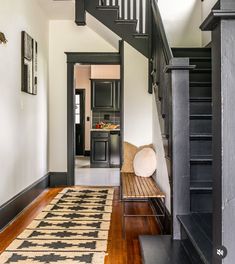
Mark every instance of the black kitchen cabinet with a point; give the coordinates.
(105, 95)
(105, 149)
(100, 149)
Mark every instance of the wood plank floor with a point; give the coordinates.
(120, 251)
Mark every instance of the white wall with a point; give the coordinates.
(23, 136)
(206, 9)
(65, 36)
(162, 177)
(137, 101)
(182, 19)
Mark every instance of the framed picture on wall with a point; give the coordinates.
(29, 59)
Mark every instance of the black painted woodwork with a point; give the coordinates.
(162, 250)
(200, 128)
(115, 142)
(197, 230)
(58, 179)
(80, 128)
(105, 149)
(111, 15)
(105, 95)
(221, 21)
(13, 207)
(100, 149)
(80, 13)
(104, 58)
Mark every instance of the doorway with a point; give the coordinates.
(86, 59)
(79, 122)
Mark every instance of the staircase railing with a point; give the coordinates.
(170, 78)
(131, 10)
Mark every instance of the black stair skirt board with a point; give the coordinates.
(197, 228)
(109, 16)
(162, 250)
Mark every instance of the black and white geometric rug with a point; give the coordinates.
(73, 228)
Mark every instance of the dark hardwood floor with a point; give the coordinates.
(120, 251)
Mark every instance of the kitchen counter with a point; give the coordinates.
(105, 129)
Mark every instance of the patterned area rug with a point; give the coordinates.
(73, 228)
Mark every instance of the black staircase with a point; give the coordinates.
(128, 19)
(182, 82)
(192, 240)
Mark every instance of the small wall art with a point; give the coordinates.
(29, 64)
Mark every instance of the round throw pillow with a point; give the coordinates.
(145, 162)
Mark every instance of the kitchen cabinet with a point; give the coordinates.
(105, 148)
(105, 95)
(100, 149)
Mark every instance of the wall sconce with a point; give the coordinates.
(2, 38)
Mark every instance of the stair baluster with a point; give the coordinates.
(123, 9)
(141, 16)
(129, 9)
(134, 9)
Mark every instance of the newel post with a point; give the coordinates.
(179, 134)
(221, 21)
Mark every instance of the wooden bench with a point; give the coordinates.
(134, 188)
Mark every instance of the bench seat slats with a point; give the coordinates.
(135, 187)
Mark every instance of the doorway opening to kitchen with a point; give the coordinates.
(97, 161)
(97, 124)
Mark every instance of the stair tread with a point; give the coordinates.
(201, 116)
(201, 136)
(107, 7)
(162, 250)
(201, 84)
(200, 99)
(128, 21)
(201, 70)
(200, 58)
(199, 232)
(201, 158)
(201, 185)
(140, 35)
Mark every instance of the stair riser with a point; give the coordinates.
(200, 148)
(191, 52)
(202, 77)
(200, 108)
(201, 64)
(200, 126)
(201, 201)
(201, 172)
(200, 92)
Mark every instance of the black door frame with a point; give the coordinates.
(105, 58)
(82, 117)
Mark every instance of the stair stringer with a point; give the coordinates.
(126, 30)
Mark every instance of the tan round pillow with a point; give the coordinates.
(145, 162)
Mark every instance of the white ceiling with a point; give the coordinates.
(62, 9)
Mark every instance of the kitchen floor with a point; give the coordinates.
(97, 176)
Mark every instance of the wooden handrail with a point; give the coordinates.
(157, 20)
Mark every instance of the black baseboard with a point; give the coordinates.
(87, 153)
(165, 224)
(10, 209)
(58, 179)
